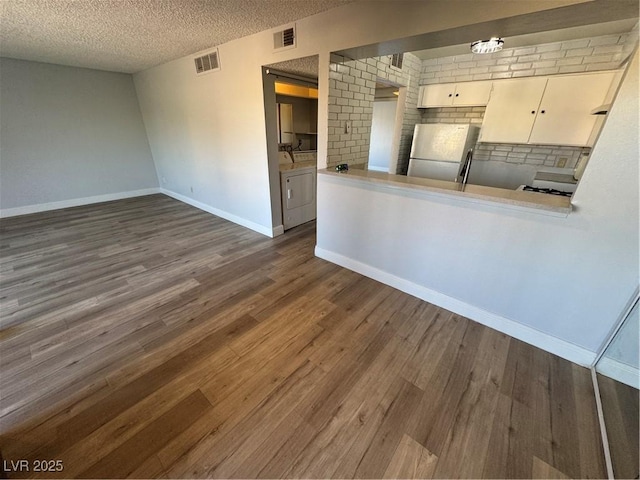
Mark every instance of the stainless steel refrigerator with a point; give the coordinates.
(439, 150)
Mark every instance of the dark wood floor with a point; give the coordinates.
(145, 338)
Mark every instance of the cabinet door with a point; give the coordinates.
(438, 95)
(472, 93)
(565, 111)
(512, 110)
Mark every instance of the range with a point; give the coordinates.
(549, 191)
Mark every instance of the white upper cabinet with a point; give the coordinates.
(545, 110)
(564, 116)
(511, 111)
(454, 94)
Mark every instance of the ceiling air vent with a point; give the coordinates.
(284, 39)
(396, 60)
(207, 63)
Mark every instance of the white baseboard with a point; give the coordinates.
(549, 343)
(279, 230)
(269, 232)
(75, 202)
(619, 371)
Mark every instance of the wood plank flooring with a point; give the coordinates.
(144, 338)
(620, 405)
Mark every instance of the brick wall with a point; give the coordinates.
(411, 69)
(349, 100)
(471, 115)
(584, 55)
(352, 85)
(540, 155)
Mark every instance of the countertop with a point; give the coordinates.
(286, 167)
(542, 202)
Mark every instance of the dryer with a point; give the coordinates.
(298, 191)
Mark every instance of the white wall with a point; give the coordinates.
(382, 132)
(555, 282)
(621, 361)
(207, 133)
(563, 278)
(69, 136)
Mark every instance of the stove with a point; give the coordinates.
(548, 191)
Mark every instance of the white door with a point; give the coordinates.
(512, 110)
(565, 111)
(382, 130)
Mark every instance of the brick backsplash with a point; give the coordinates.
(541, 155)
(584, 55)
(471, 115)
(352, 85)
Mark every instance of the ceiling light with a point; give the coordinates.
(487, 46)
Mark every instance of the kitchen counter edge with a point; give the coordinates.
(531, 201)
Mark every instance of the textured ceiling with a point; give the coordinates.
(133, 35)
(305, 66)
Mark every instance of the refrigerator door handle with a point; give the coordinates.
(466, 168)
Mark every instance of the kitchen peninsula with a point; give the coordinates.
(497, 256)
(402, 184)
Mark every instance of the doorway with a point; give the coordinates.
(386, 127)
(291, 117)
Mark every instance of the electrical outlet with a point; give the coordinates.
(562, 162)
(164, 180)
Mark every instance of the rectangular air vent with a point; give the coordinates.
(284, 39)
(207, 63)
(396, 60)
